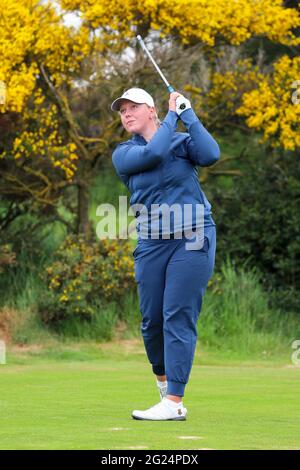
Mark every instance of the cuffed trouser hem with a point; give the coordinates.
(159, 370)
(176, 388)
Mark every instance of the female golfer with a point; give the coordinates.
(175, 254)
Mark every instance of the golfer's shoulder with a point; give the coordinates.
(126, 142)
(121, 147)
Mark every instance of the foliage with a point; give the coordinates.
(57, 129)
(232, 77)
(270, 107)
(85, 276)
(204, 21)
(7, 257)
(36, 154)
(258, 221)
(32, 33)
(237, 312)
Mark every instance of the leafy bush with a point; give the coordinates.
(237, 315)
(85, 276)
(258, 220)
(7, 257)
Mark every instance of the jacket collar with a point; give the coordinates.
(137, 138)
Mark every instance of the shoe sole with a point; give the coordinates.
(183, 418)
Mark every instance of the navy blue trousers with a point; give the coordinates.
(171, 284)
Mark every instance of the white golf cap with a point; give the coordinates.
(137, 95)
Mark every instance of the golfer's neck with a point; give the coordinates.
(149, 132)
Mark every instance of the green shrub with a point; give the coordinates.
(236, 313)
(7, 257)
(100, 327)
(258, 221)
(85, 277)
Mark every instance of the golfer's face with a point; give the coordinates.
(135, 117)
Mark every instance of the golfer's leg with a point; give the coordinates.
(150, 265)
(187, 275)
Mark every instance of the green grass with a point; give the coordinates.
(81, 397)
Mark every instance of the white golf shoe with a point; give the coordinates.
(163, 411)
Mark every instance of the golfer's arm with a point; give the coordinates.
(202, 148)
(129, 159)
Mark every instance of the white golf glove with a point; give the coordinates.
(182, 104)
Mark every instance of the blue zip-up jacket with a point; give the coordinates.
(164, 170)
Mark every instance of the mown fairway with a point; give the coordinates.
(66, 403)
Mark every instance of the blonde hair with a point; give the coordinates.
(157, 121)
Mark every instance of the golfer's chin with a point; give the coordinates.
(132, 127)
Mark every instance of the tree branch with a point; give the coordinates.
(66, 114)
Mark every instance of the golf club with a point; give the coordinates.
(170, 88)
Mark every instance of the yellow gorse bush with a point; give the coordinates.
(270, 107)
(204, 20)
(31, 34)
(207, 21)
(264, 100)
(45, 141)
(85, 274)
(226, 91)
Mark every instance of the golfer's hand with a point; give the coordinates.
(182, 104)
(172, 100)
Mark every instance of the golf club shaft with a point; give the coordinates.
(170, 88)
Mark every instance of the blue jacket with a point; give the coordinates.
(164, 170)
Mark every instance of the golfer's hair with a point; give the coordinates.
(157, 121)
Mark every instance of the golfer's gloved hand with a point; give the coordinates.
(182, 104)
